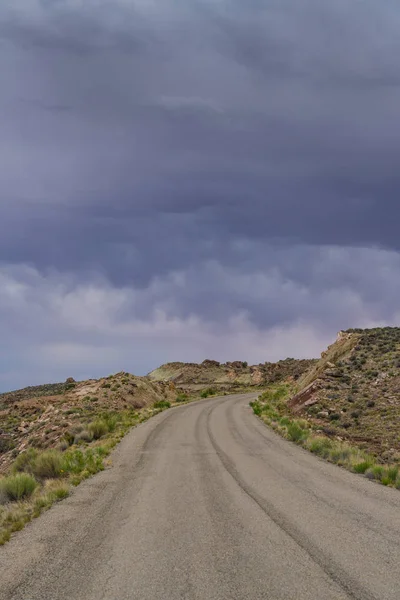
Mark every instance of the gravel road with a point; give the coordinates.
(203, 502)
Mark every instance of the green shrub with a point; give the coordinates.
(111, 421)
(340, 453)
(257, 408)
(207, 392)
(270, 412)
(295, 432)
(392, 474)
(334, 417)
(83, 436)
(182, 397)
(320, 446)
(276, 395)
(60, 493)
(74, 461)
(83, 464)
(98, 428)
(24, 461)
(362, 467)
(17, 487)
(102, 451)
(48, 465)
(162, 404)
(5, 536)
(93, 461)
(375, 472)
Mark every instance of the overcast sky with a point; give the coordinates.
(191, 179)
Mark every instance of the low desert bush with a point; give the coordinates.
(98, 428)
(182, 397)
(334, 417)
(17, 487)
(82, 464)
(111, 421)
(295, 432)
(320, 445)
(74, 461)
(257, 408)
(207, 392)
(24, 461)
(48, 464)
(50, 494)
(162, 404)
(392, 473)
(83, 436)
(362, 467)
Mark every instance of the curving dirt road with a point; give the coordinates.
(205, 503)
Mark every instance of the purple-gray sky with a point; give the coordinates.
(194, 179)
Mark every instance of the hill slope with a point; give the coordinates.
(353, 391)
(229, 376)
(41, 416)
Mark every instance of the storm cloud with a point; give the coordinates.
(182, 180)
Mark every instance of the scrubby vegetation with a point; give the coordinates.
(14, 515)
(162, 404)
(47, 465)
(272, 408)
(17, 487)
(98, 428)
(86, 434)
(207, 392)
(25, 492)
(353, 392)
(71, 412)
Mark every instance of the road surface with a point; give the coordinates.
(204, 502)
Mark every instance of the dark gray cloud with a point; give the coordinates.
(207, 160)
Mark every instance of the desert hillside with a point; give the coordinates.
(43, 416)
(230, 376)
(353, 391)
